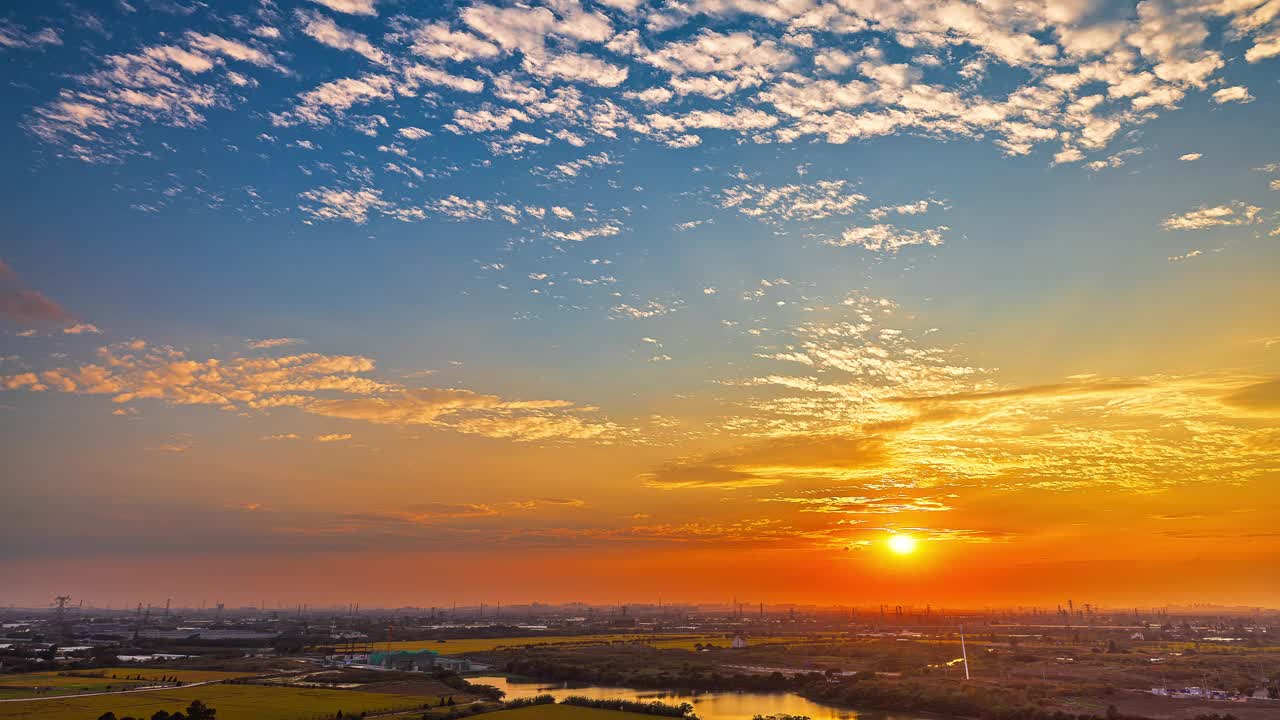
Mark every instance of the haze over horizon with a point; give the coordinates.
(410, 303)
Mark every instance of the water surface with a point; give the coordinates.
(707, 705)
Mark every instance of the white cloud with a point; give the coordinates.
(325, 31)
(437, 41)
(1235, 213)
(352, 7)
(269, 343)
(1237, 93)
(415, 74)
(577, 67)
(413, 133)
(16, 37)
(337, 204)
(888, 237)
(319, 105)
(823, 199)
(1190, 157)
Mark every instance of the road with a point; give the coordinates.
(112, 692)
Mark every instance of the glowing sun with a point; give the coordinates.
(902, 544)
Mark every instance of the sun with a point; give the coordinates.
(902, 544)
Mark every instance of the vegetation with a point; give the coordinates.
(683, 710)
(459, 683)
(110, 679)
(233, 702)
(197, 710)
(524, 702)
(556, 711)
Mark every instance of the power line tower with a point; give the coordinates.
(60, 605)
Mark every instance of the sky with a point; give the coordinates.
(410, 303)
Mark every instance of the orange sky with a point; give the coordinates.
(422, 303)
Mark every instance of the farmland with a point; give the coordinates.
(103, 680)
(233, 702)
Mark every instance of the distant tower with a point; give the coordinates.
(60, 604)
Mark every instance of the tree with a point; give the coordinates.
(197, 710)
(161, 715)
(108, 715)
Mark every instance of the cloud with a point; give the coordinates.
(268, 343)
(326, 32)
(888, 237)
(1190, 157)
(1260, 396)
(573, 168)
(649, 309)
(1238, 93)
(320, 105)
(24, 305)
(1235, 213)
(866, 505)
(82, 328)
(177, 443)
(437, 41)
(578, 67)
(783, 75)
(472, 413)
(337, 204)
(352, 7)
(171, 84)
(332, 438)
(413, 133)
(824, 199)
(335, 386)
(770, 462)
(16, 37)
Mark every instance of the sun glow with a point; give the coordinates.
(902, 544)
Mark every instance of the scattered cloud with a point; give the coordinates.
(332, 437)
(278, 342)
(1234, 213)
(888, 237)
(1237, 94)
(353, 7)
(336, 386)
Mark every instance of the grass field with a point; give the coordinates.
(233, 702)
(52, 683)
(468, 645)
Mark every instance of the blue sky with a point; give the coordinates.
(635, 237)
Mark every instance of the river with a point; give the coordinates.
(707, 705)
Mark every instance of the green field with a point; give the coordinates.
(120, 678)
(233, 702)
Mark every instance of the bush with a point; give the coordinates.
(683, 710)
(525, 702)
